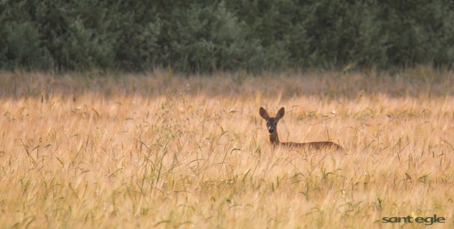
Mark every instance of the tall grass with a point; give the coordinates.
(123, 151)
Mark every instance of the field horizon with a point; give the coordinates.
(165, 150)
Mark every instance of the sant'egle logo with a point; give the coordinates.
(414, 219)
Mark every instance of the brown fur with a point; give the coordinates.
(271, 124)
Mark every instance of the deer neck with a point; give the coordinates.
(274, 139)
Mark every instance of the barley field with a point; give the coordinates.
(162, 150)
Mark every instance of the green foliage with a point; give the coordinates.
(205, 36)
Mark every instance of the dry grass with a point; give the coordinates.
(170, 151)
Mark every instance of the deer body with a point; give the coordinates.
(271, 125)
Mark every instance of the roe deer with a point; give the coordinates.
(271, 125)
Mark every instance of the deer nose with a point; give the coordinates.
(271, 131)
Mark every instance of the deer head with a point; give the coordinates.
(271, 122)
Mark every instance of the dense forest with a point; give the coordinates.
(204, 36)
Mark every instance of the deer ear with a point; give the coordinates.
(264, 114)
(280, 113)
